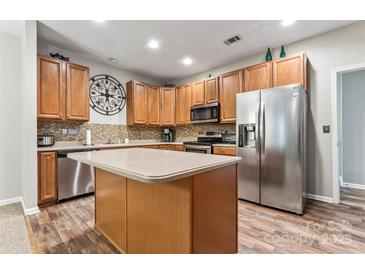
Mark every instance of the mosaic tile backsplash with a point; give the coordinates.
(104, 132)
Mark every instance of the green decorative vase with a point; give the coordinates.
(268, 56)
(282, 52)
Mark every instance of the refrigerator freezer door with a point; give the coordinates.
(282, 149)
(247, 145)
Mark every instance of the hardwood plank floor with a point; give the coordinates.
(68, 227)
(324, 228)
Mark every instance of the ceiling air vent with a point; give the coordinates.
(232, 40)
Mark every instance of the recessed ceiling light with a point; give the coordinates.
(112, 60)
(187, 61)
(100, 21)
(287, 22)
(153, 44)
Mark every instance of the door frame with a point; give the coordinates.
(336, 94)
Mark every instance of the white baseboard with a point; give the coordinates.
(10, 201)
(351, 185)
(319, 198)
(27, 211)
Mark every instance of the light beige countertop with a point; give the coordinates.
(67, 145)
(153, 165)
(224, 145)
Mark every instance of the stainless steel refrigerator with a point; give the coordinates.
(271, 129)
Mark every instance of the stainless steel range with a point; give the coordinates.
(204, 142)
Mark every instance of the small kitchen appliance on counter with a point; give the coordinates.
(168, 135)
(45, 140)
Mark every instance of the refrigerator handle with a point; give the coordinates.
(257, 144)
(262, 129)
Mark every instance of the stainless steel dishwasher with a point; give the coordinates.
(73, 178)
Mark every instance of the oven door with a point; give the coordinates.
(198, 149)
(208, 113)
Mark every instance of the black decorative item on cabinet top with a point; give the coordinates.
(107, 95)
(59, 56)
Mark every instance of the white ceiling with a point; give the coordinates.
(201, 40)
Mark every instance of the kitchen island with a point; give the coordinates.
(155, 201)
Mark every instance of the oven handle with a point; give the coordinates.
(197, 147)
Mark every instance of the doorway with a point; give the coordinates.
(348, 148)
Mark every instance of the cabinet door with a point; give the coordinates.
(180, 105)
(47, 190)
(198, 95)
(230, 84)
(258, 76)
(153, 97)
(167, 96)
(211, 90)
(187, 89)
(77, 92)
(51, 88)
(140, 103)
(290, 70)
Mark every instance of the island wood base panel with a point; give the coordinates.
(196, 214)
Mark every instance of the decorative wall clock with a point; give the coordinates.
(107, 95)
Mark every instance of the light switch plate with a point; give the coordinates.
(326, 129)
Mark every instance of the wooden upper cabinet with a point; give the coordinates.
(167, 101)
(51, 88)
(187, 89)
(229, 85)
(47, 189)
(153, 106)
(180, 105)
(258, 76)
(211, 90)
(63, 90)
(198, 93)
(290, 70)
(77, 92)
(136, 103)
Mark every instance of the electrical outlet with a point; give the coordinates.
(326, 129)
(64, 131)
(73, 131)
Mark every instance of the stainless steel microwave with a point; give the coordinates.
(208, 113)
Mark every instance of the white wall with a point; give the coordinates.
(10, 116)
(18, 160)
(122, 76)
(29, 117)
(353, 113)
(341, 47)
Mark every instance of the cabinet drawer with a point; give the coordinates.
(224, 151)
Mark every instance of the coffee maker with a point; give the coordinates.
(167, 135)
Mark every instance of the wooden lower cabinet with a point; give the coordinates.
(152, 146)
(167, 147)
(224, 150)
(179, 148)
(195, 214)
(47, 183)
